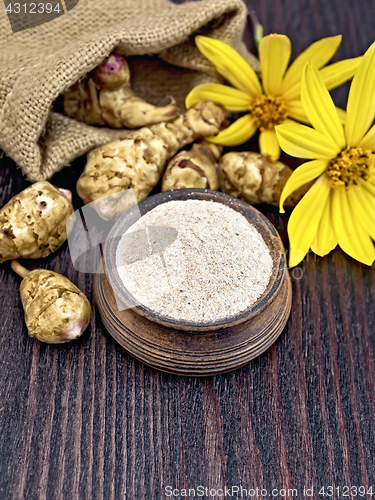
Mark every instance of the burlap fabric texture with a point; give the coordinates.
(38, 64)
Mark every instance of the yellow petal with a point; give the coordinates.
(325, 238)
(333, 75)
(368, 142)
(362, 205)
(351, 236)
(230, 64)
(294, 93)
(288, 120)
(342, 115)
(340, 72)
(296, 111)
(319, 53)
(305, 142)
(237, 133)
(304, 221)
(370, 186)
(319, 106)
(233, 100)
(269, 145)
(274, 54)
(361, 101)
(302, 175)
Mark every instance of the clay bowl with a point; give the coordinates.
(261, 223)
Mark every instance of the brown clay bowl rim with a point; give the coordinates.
(261, 223)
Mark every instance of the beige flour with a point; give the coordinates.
(216, 264)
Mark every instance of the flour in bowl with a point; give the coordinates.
(202, 261)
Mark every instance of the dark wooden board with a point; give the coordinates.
(87, 421)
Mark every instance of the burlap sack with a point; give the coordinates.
(40, 63)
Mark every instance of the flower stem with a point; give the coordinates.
(257, 27)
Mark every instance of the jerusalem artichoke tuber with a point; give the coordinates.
(138, 161)
(33, 223)
(56, 311)
(104, 97)
(196, 168)
(254, 178)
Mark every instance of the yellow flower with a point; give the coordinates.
(278, 98)
(339, 208)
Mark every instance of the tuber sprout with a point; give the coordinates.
(104, 97)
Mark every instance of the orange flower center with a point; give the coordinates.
(351, 167)
(268, 111)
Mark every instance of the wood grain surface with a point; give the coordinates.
(87, 421)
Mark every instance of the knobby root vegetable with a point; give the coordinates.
(138, 161)
(254, 178)
(56, 311)
(196, 168)
(33, 223)
(104, 97)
